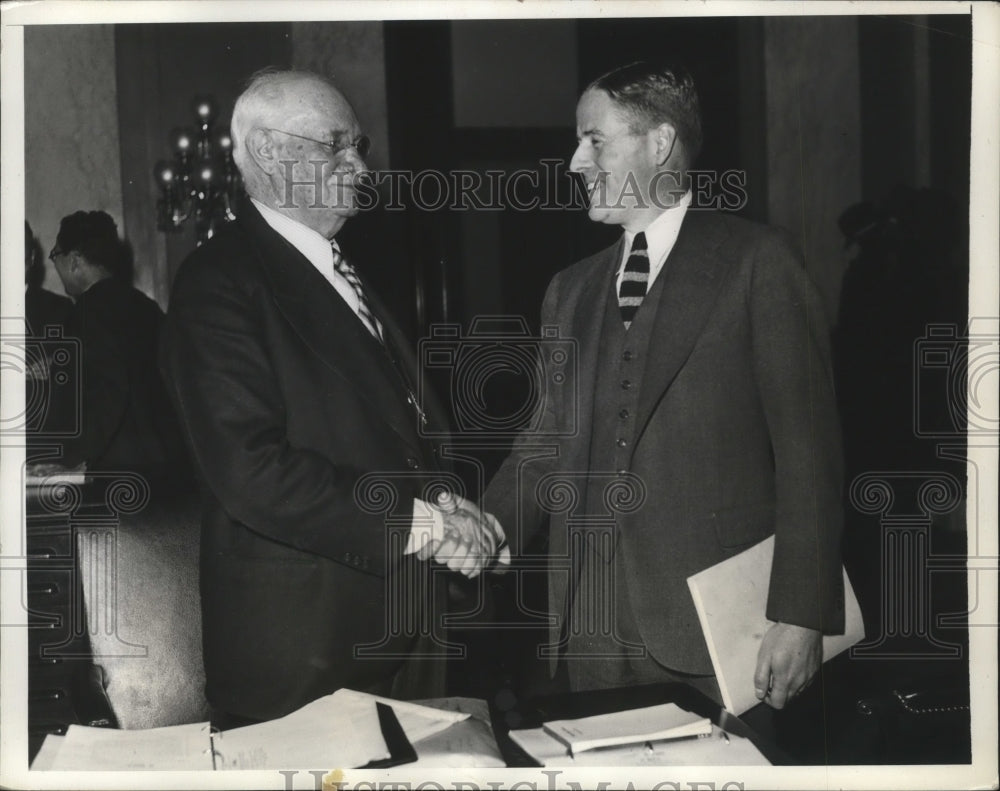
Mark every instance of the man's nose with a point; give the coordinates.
(352, 161)
(581, 159)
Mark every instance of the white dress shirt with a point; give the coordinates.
(317, 249)
(661, 235)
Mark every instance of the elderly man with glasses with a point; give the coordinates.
(297, 393)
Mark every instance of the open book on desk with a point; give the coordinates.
(731, 600)
(347, 729)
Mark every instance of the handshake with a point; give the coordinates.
(456, 533)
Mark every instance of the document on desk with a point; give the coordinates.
(48, 753)
(341, 729)
(36, 479)
(419, 721)
(178, 747)
(731, 599)
(649, 724)
(716, 749)
(467, 743)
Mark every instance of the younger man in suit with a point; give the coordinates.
(703, 392)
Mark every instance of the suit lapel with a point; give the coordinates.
(694, 274)
(326, 324)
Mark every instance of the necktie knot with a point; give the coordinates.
(634, 281)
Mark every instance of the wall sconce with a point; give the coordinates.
(201, 180)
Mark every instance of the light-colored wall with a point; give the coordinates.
(813, 142)
(72, 156)
(352, 54)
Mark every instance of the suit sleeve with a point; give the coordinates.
(791, 360)
(510, 495)
(217, 365)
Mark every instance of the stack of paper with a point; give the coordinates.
(718, 749)
(653, 723)
(342, 729)
(178, 747)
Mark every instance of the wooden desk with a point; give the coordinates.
(64, 686)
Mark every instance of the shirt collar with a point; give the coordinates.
(315, 247)
(662, 232)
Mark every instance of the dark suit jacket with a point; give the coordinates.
(288, 402)
(44, 309)
(736, 432)
(126, 418)
(45, 313)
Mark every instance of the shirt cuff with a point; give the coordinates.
(428, 524)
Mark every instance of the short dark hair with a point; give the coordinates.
(654, 93)
(94, 235)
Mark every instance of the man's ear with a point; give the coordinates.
(666, 139)
(75, 262)
(260, 146)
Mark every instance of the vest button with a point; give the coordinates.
(624, 414)
(627, 356)
(622, 442)
(626, 384)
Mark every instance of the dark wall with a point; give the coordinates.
(915, 109)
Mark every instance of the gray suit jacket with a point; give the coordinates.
(737, 434)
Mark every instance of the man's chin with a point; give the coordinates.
(601, 214)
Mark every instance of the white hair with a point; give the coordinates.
(262, 103)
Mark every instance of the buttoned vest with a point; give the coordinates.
(621, 367)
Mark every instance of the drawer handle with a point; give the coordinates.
(42, 729)
(43, 589)
(46, 695)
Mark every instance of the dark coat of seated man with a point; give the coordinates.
(126, 419)
(45, 317)
(42, 309)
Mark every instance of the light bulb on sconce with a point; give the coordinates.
(201, 180)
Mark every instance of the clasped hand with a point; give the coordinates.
(471, 539)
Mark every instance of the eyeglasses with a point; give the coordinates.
(361, 144)
(56, 252)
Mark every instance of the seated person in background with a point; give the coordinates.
(43, 312)
(42, 308)
(126, 420)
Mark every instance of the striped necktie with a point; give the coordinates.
(365, 312)
(634, 280)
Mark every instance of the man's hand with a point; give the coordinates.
(788, 659)
(471, 537)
